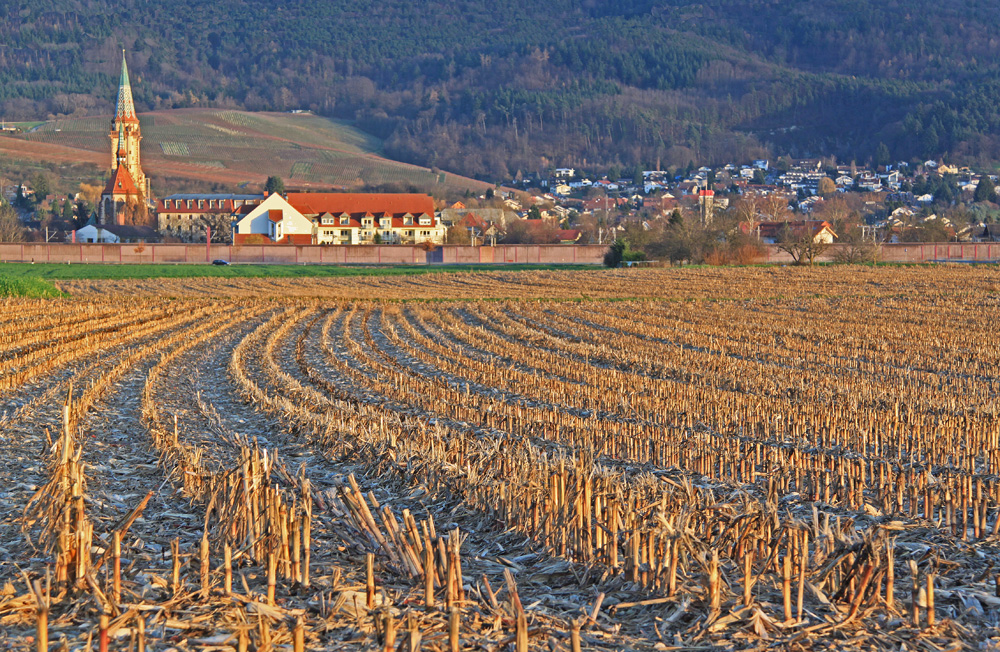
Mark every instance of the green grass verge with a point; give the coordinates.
(27, 287)
(56, 271)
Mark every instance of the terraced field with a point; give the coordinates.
(744, 459)
(235, 147)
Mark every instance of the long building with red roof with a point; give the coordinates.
(341, 218)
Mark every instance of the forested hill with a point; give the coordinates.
(490, 87)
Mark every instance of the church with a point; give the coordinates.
(126, 195)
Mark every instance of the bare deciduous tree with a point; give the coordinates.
(855, 248)
(801, 244)
(221, 225)
(11, 229)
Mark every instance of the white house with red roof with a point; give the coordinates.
(273, 220)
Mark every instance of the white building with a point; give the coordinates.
(114, 234)
(274, 220)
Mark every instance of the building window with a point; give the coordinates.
(345, 234)
(344, 221)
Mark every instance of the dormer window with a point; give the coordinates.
(344, 221)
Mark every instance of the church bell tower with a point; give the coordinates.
(126, 125)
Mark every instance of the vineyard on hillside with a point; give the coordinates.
(234, 147)
(742, 459)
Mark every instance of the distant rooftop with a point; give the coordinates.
(194, 195)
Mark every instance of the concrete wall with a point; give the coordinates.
(913, 252)
(413, 255)
(301, 254)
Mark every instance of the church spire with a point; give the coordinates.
(125, 111)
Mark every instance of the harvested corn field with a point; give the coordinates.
(675, 284)
(809, 464)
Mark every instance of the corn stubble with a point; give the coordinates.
(813, 471)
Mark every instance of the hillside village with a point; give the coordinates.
(687, 215)
(904, 202)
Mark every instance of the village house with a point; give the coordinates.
(273, 220)
(568, 236)
(479, 229)
(990, 233)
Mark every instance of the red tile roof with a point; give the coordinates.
(473, 220)
(315, 203)
(121, 183)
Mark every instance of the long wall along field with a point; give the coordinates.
(691, 459)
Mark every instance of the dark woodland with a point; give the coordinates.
(500, 87)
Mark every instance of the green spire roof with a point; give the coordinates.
(125, 109)
(124, 80)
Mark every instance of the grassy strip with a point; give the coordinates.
(27, 287)
(84, 271)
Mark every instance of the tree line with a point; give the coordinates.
(493, 88)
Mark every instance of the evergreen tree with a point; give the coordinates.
(985, 190)
(274, 185)
(40, 182)
(882, 155)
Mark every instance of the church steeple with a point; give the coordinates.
(125, 110)
(128, 183)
